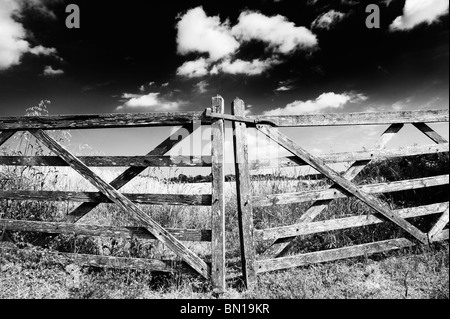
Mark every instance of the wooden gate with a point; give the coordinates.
(343, 186)
(109, 192)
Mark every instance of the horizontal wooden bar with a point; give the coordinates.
(336, 254)
(372, 118)
(92, 197)
(327, 194)
(101, 231)
(103, 261)
(110, 161)
(94, 121)
(344, 223)
(293, 161)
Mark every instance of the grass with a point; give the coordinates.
(410, 273)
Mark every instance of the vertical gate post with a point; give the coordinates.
(218, 198)
(244, 202)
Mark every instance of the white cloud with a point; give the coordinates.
(49, 71)
(238, 66)
(327, 20)
(280, 34)
(13, 43)
(283, 88)
(150, 101)
(416, 12)
(194, 69)
(325, 101)
(40, 50)
(202, 87)
(12, 34)
(199, 33)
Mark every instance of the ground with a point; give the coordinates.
(415, 273)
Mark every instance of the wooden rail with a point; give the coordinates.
(149, 229)
(282, 237)
(343, 187)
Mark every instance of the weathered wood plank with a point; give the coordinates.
(93, 121)
(331, 194)
(5, 136)
(337, 254)
(110, 161)
(303, 229)
(282, 245)
(443, 235)
(343, 183)
(124, 178)
(101, 231)
(332, 255)
(439, 226)
(244, 202)
(94, 197)
(126, 205)
(129, 174)
(370, 155)
(376, 118)
(103, 261)
(218, 198)
(428, 131)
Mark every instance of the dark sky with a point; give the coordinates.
(123, 46)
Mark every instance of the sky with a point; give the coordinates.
(279, 56)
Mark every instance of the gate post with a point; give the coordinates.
(244, 201)
(218, 198)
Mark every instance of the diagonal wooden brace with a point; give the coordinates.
(439, 226)
(281, 245)
(124, 203)
(5, 136)
(122, 180)
(346, 185)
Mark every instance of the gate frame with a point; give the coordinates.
(109, 192)
(265, 125)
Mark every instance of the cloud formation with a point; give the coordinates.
(13, 43)
(218, 42)
(49, 71)
(327, 20)
(151, 101)
(417, 12)
(277, 32)
(325, 101)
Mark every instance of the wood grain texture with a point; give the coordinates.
(5, 136)
(331, 194)
(343, 183)
(369, 155)
(132, 172)
(332, 255)
(126, 205)
(94, 197)
(218, 268)
(110, 161)
(93, 121)
(244, 201)
(338, 254)
(378, 118)
(102, 261)
(428, 131)
(101, 231)
(439, 226)
(282, 245)
(303, 229)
